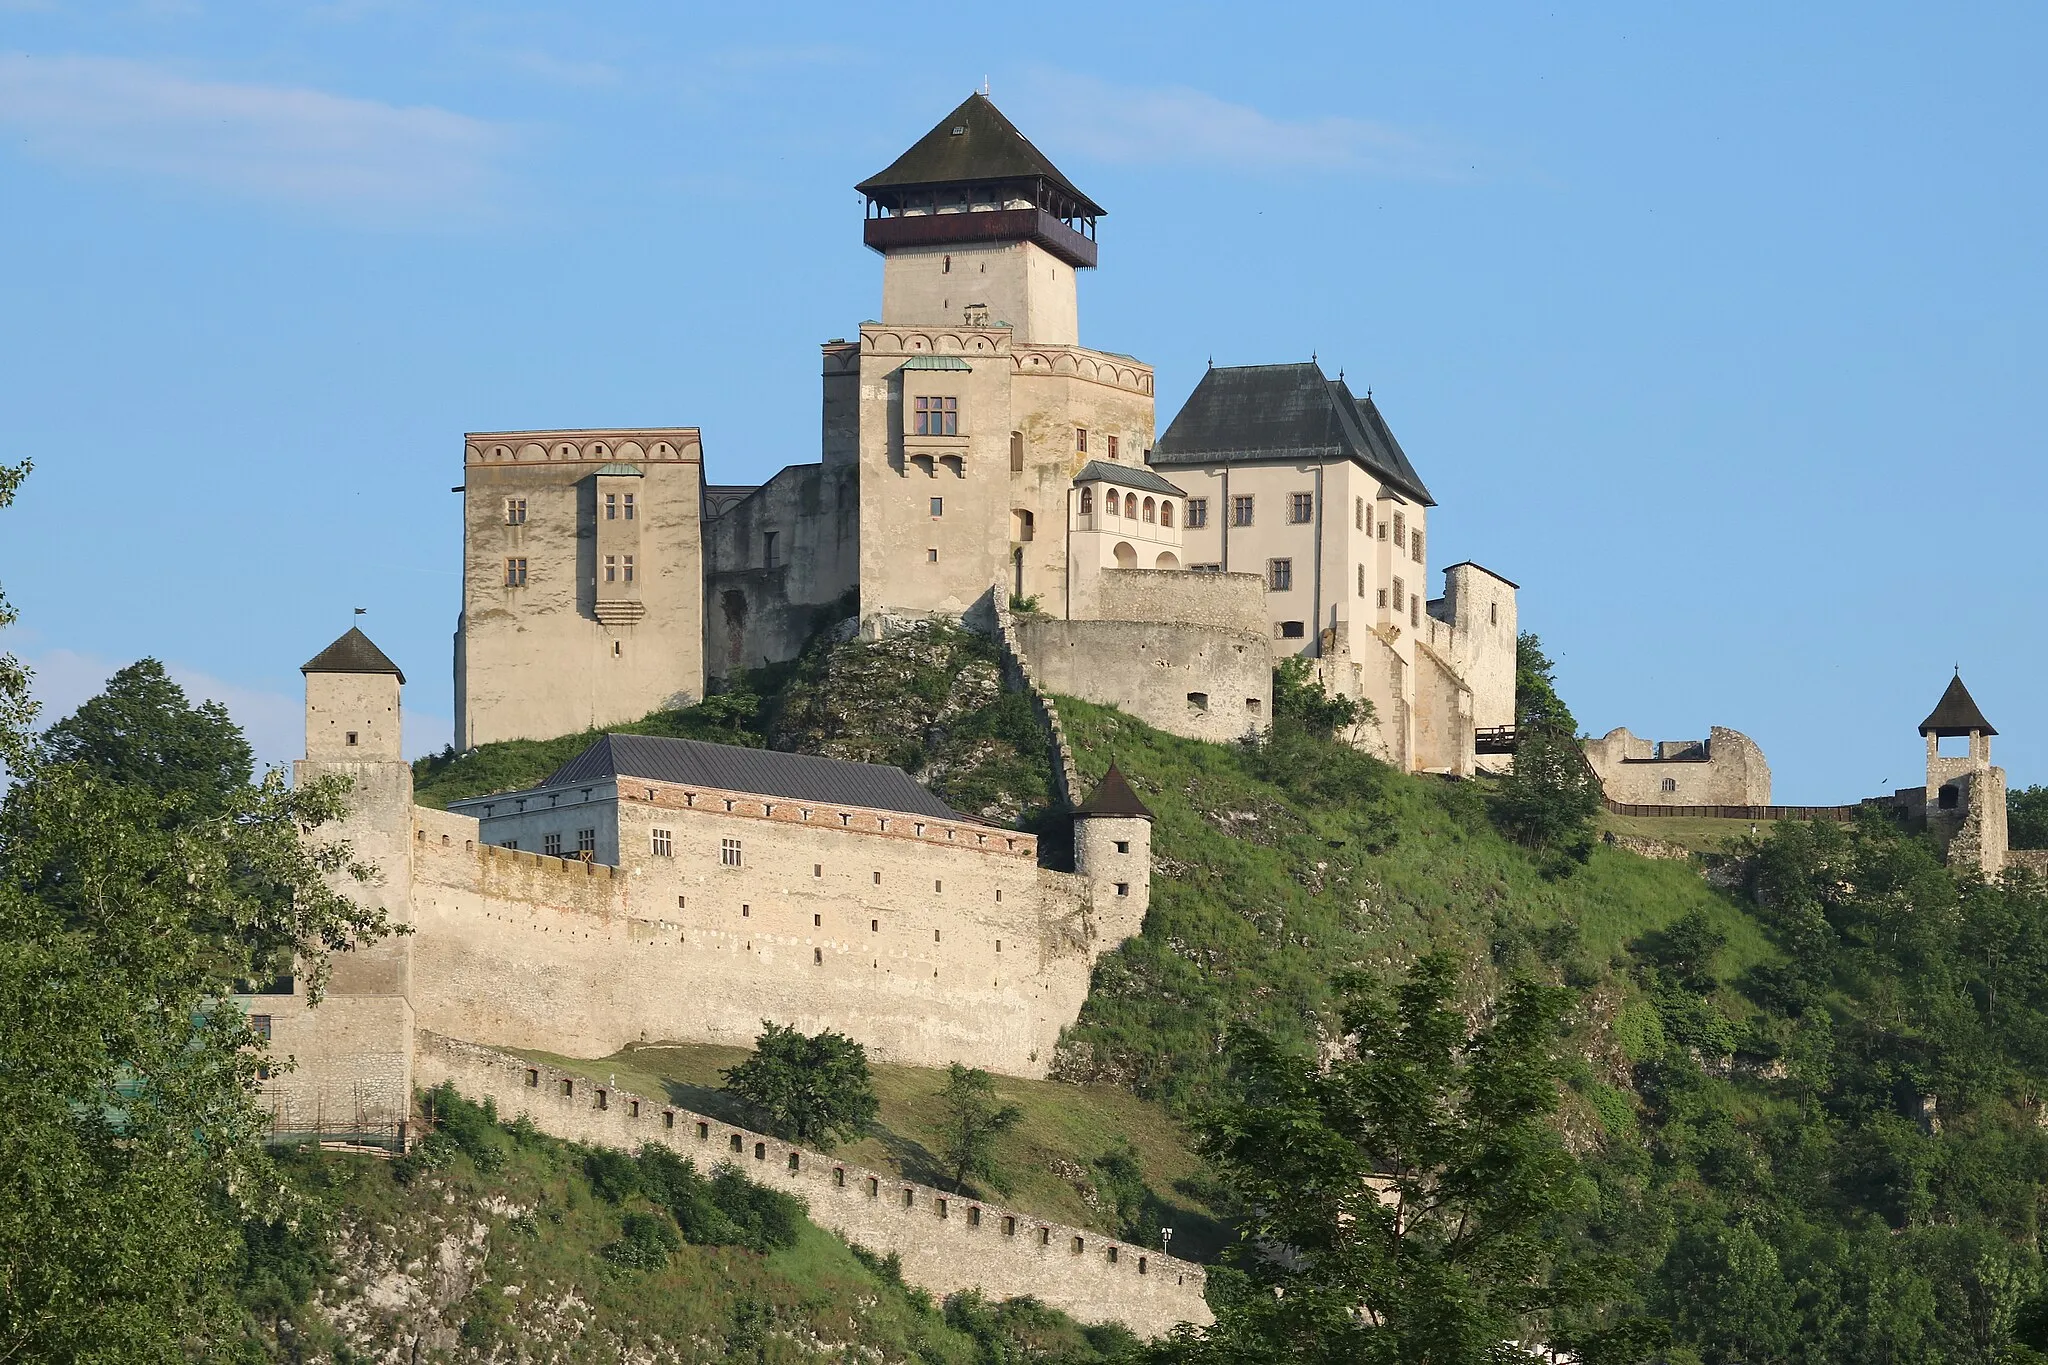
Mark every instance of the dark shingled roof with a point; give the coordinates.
(352, 653)
(765, 772)
(1130, 476)
(1245, 413)
(989, 148)
(1956, 713)
(1113, 797)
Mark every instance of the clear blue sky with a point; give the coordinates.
(1719, 331)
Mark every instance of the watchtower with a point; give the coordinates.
(1113, 850)
(1965, 794)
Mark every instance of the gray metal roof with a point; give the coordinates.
(352, 653)
(1130, 476)
(1245, 414)
(764, 772)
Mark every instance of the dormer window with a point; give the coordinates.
(937, 417)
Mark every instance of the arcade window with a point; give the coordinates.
(937, 417)
(515, 573)
(1301, 507)
(729, 852)
(515, 511)
(1198, 513)
(1280, 575)
(1241, 510)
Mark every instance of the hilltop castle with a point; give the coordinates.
(972, 448)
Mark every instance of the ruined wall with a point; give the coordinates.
(1224, 601)
(946, 1242)
(1473, 626)
(1975, 830)
(1727, 770)
(1204, 682)
(774, 563)
(925, 949)
(1443, 716)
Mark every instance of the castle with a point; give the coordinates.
(972, 449)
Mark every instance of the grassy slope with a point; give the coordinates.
(1696, 833)
(1048, 1157)
(472, 1266)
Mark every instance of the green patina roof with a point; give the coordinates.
(935, 362)
(621, 469)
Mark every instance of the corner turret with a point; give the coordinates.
(1113, 850)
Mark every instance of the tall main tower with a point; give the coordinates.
(970, 406)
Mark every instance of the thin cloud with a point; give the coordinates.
(562, 70)
(291, 144)
(1178, 125)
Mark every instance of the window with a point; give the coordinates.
(611, 507)
(1400, 529)
(664, 847)
(817, 869)
(626, 561)
(768, 549)
(551, 844)
(1124, 845)
(618, 649)
(1361, 580)
(259, 1024)
(1383, 599)
(1669, 784)
(1415, 611)
(512, 844)
(1081, 440)
(1292, 630)
(1016, 452)
(1415, 547)
(1280, 575)
(1301, 507)
(729, 852)
(1383, 530)
(586, 841)
(1087, 502)
(938, 507)
(515, 572)
(611, 568)
(1198, 513)
(1493, 613)
(352, 739)
(1112, 447)
(1166, 514)
(515, 511)
(629, 507)
(1151, 511)
(1358, 513)
(931, 556)
(937, 417)
(533, 1078)
(1400, 594)
(1123, 888)
(1241, 510)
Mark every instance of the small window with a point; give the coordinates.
(1358, 513)
(1009, 1226)
(1669, 784)
(1081, 440)
(512, 844)
(817, 921)
(586, 841)
(1087, 502)
(1400, 529)
(1123, 888)
(668, 1118)
(1301, 507)
(632, 1109)
(1383, 599)
(767, 551)
(1016, 452)
(1241, 510)
(611, 507)
(1123, 845)
(729, 852)
(351, 739)
(259, 1024)
(760, 1151)
(1400, 594)
(974, 1215)
(937, 417)
(551, 844)
(1292, 630)
(515, 572)
(839, 1176)
(1199, 700)
(1415, 610)
(941, 1206)
(1383, 530)
(1045, 1237)
(1415, 546)
(1112, 1255)
(1361, 580)
(878, 879)
(938, 507)
(795, 1163)
(1111, 446)
(515, 511)
(874, 926)
(533, 1078)
(817, 957)
(909, 1197)
(604, 1101)
(663, 846)
(569, 1088)
(703, 1132)
(817, 869)
(1280, 575)
(1078, 1246)
(931, 556)
(629, 506)
(874, 1187)
(1493, 613)
(1198, 513)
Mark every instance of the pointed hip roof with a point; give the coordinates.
(352, 653)
(1113, 798)
(1245, 413)
(973, 143)
(1956, 714)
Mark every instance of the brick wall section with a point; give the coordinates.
(946, 1242)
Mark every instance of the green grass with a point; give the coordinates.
(1049, 1157)
(1697, 833)
(1276, 872)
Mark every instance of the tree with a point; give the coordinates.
(1406, 1202)
(1549, 798)
(142, 732)
(807, 1089)
(1537, 704)
(2026, 815)
(973, 1122)
(1299, 700)
(129, 1160)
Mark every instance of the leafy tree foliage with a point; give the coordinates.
(1550, 798)
(1537, 704)
(974, 1120)
(129, 907)
(807, 1089)
(1299, 700)
(1405, 1203)
(142, 732)
(2026, 817)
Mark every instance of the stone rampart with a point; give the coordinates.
(1203, 682)
(1226, 601)
(946, 1242)
(1020, 675)
(1728, 769)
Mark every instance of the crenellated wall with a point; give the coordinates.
(946, 1242)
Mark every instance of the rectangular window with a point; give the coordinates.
(611, 568)
(938, 507)
(768, 549)
(1112, 447)
(515, 511)
(1415, 547)
(1205, 568)
(1301, 507)
(1292, 630)
(1361, 580)
(1400, 531)
(931, 556)
(512, 844)
(1280, 575)
(586, 841)
(1400, 594)
(259, 1024)
(937, 417)
(629, 507)
(1198, 513)
(515, 572)
(1415, 611)
(1383, 529)
(611, 507)
(1241, 510)
(551, 844)
(1358, 513)
(626, 568)
(664, 847)
(729, 852)
(1081, 440)
(1383, 599)
(1016, 452)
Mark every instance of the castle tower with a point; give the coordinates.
(1113, 850)
(353, 1051)
(1965, 795)
(970, 406)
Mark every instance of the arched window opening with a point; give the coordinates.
(1087, 502)
(1166, 514)
(1167, 560)
(1112, 504)
(1131, 506)
(1151, 510)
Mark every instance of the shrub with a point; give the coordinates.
(645, 1243)
(613, 1175)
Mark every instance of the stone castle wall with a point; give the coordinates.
(1727, 770)
(946, 1242)
(1203, 682)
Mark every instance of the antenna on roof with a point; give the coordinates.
(984, 86)
(1311, 357)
